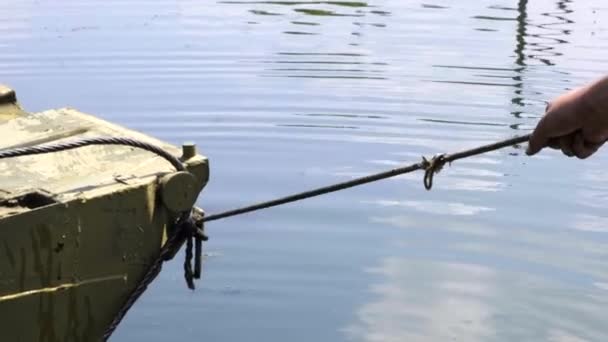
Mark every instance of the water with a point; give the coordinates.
(284, 96)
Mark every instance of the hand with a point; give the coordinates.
(575, 122)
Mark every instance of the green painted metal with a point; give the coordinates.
(79, 228)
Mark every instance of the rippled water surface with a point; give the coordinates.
(287, 95)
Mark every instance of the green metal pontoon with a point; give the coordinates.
(80, 228)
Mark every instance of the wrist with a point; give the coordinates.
(595, 98)
(592, 104)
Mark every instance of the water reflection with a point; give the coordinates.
(260, 12)
(436, 207)
(324, 13)
(308, 17)
(532, 43)
(548, 40)
(547, 47)
(336, 115)
(292, 3)
(307, 23)
(300, 33)
(444, 303)
(452, 301)
(434, 6)
(518, 99)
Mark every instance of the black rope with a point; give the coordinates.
(431, 167)
(188, 273)
(169, 249)
(40, 149)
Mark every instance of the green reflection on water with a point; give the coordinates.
(293, 3)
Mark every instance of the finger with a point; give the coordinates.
(556, 122)
(553, 143)
(581, 149)
(550, 126)
(539, 138)
(594, 133)
(565, 143)
(593, 145)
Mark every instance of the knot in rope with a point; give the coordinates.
(191, 229)
(431, 167)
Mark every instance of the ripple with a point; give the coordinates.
(324, 13)
(441, 208)
(261, 12)
(292, 3)
(504, 248)
(434, 6)
(486, 17)
(300, 33)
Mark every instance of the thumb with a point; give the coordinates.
(559, 120)
(539, 138)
